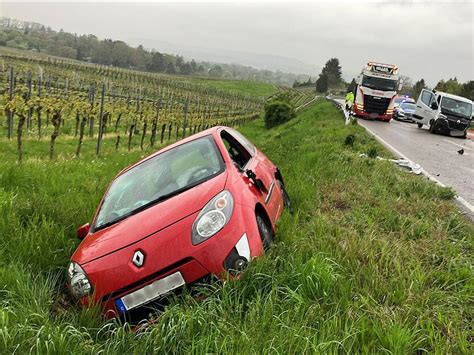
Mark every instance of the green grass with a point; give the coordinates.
(244, 87)
(373, 260)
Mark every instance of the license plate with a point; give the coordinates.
(373, 115)
(149, 292)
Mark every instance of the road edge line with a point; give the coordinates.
(423, 171)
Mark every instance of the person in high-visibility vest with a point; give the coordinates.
(349, 100)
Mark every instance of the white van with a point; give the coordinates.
(442, 112)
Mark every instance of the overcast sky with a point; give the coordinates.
(426, 40)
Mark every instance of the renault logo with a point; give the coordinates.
(458, 121)
(138, 258)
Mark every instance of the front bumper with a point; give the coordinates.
(359, 112)
(405, 117)
(445, 126)
(168, 252)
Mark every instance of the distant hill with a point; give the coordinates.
(205, 63)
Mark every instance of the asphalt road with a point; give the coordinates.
(437, 154)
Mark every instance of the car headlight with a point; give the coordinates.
(213, 217)
(401, 112)
(78, 282)
(443, 117)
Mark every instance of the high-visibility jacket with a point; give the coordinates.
(350, 97)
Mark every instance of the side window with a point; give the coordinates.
(426, 97)
(245, 142)
(239, 155)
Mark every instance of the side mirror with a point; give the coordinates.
(434, 106)
(83, 230)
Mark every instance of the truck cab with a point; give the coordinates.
(443, 112)
(377, 86)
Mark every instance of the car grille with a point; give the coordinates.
(454, 124)
(375, 104)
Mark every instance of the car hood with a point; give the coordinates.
(141, 225)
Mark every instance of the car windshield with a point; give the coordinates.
(455, 107)
(408, 106)
(379, 83)
(159, 178)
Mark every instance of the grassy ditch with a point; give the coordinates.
(374, 259)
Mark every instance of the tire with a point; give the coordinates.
(432, 127)
(265, 231)
(420, 125)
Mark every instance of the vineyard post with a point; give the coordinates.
(101, 120)
(30, 110)
(162, 132)
(91, 118)
(38, 109)
(10, 112)
(130, 134)
(81, 133)
(145, 124)
(155, 124)
(185, 118)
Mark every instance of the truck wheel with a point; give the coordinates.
(419, 125)
(432, 126)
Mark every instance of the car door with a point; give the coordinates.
(423, 112)
(250, 161)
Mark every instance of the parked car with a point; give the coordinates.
(405, 111)
(206, 205)
(401, 98)
(444, 113)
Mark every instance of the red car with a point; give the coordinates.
(205, 205)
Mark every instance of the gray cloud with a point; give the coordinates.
(429, 40)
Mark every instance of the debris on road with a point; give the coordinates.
(404, 163)
(461, 151)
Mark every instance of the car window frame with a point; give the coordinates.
(236, 142)
(243, 141)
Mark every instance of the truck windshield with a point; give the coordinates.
(379, 83)
(456, 108)
(159, 178)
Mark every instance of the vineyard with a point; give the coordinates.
(46, 98)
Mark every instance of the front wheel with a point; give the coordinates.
(432, 128)
(420, 125)
(265, 230)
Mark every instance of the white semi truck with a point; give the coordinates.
(377, 86)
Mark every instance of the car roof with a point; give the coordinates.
(208, 132)
(451, 96)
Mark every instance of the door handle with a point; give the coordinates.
(418, 106)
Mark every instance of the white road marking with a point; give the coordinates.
(459, 145)
(423, 171)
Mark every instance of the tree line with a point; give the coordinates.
(89, 48)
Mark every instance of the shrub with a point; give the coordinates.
(277, 112)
